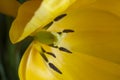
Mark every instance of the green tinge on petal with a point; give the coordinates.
(75, 66)
(97, 32)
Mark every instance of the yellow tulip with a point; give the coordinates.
(73, 39)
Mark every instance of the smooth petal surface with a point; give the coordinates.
(97, 31)
(32, 66)
(108, 5)
(75, 66)
(9, 7)
(25, 14)
(36, 14)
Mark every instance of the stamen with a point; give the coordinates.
(59, 33)
(52, 45)
(48, 25)
(54, 68)
(60, 17)
(61, 48)
(64, 49)
(52, 54)
(44, 57)
(68, 31)
(43, 49)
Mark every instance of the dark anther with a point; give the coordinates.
(54, 68)
(59, 17)
(52, 54)
(43, 50)
(44, 57)
(68, 31)
(48, 25)
(52, 45)
(59, 33)
(64, 49)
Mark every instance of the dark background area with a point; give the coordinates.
(8, 58)
(10, 54)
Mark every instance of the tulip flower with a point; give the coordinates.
(73, 39)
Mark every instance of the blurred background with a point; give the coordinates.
(9, 60)
(10, 54)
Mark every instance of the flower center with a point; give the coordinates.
(52, 39)
(47, 37)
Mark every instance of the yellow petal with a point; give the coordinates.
(25, 14)
(97, 32)
(110, 6)
(75, 66)
(32, 66)
(9, 7)
(34, 14)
